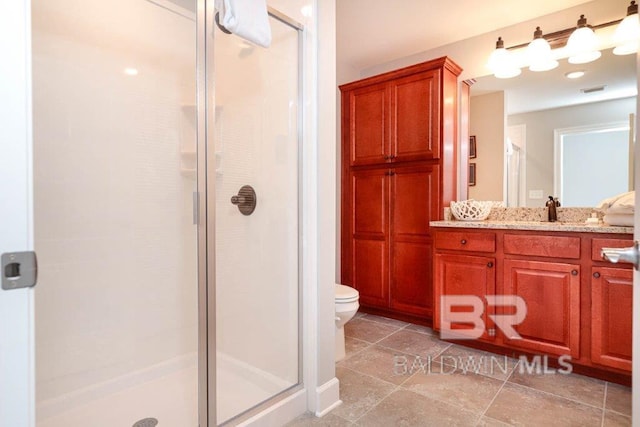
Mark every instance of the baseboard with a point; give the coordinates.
(327, 397)
(281, 412)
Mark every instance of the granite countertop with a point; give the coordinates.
(521, 218)
(580, 227)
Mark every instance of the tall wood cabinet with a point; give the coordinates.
(399, 170)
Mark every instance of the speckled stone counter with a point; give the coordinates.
(569, 219)
(535, 225)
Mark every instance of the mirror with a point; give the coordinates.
(542, 134)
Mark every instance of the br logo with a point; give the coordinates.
(451, 313)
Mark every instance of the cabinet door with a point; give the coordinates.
(551, 292)
(611, 317)
(465, 275)
(415, 121)
(369, 125)
(414, 202)
(370, 240)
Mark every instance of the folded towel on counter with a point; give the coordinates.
(248, 19)
(624, 220)
(621, 204)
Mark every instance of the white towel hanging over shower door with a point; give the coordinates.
(248, 19)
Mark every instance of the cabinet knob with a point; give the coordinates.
(387, 157)
(392, 173)
(490, 264)
(463, 242)
(392, 157)
(574, 272)
(596, 275)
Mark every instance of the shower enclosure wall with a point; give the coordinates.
(158, 300)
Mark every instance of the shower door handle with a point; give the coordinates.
(245, 200)
(19, 270)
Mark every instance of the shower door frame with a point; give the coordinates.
(17, 334)
(204, 215)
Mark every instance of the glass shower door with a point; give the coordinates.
(114, 173)
(257, 267)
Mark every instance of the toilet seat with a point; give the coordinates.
(345, 294)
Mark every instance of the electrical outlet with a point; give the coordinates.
(536, 194)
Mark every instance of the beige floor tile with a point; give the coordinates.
(466, 390)
(354, 345)
(573, 386)
(329, 420)
(422, 329)
(359, 393)
(490, 422)
(524, 406)
(385, 320)
(407, 409)
(379, 362)
(481, 362)
(613, 419)
(366, 330)
(414, 343)
(619, 398)
(359, 314)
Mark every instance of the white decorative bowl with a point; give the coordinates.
(471, 210)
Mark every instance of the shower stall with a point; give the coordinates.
(168, 214)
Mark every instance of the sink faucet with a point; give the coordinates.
(552, 204)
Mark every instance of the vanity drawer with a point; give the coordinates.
(598, 244)
(466, 241)
(543, 246)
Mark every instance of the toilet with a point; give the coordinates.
(346, 307)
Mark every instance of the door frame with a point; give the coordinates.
(17, 350)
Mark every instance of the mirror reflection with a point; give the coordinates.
(544, 133)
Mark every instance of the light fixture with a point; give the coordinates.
(539, 53)
(628, 32)
(131, 71)
(501, 62)
(583, 44)
(574, 74)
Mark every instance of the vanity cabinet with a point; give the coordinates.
(551, 292)
(464, 275)
(399, 169)
(611, 309)
(577, 304)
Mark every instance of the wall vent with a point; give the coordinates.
(593, 89)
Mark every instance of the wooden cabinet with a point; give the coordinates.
(611, 316)
(465, 275)
(399, 168)
(551, 292)
(394, 121)
(576, 304)
(370, 239)
(390, 245)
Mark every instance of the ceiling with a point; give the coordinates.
(372, 32)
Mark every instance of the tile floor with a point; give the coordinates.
(383, 383)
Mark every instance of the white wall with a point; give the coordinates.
(540, 126)
(113, 230)
(487, 123)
